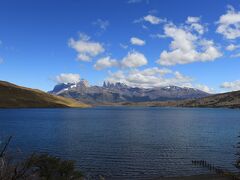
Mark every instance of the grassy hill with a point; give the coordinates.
(13, 96)
(230, 99)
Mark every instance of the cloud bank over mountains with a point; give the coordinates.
(67, 78)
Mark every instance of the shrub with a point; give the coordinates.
(37, 167)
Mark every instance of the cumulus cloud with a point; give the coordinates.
(102, 24)
(232, 47)
(187, 47)
(105, 62)
(229, 24)
(67, 78)
(134, 59)
(205, 88)
(155, 77)
(194, 23)
(233, 86)
(150, 77)
(153, 19)
(191, 19)
(137, 41)
(85, 48)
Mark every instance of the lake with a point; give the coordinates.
(128, 142)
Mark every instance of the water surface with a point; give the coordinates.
(128, 142)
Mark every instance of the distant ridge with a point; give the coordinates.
(120, 92)
(13, 96)
(229, 100)
(225, 100)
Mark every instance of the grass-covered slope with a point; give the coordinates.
(13, 96)
(230, 100)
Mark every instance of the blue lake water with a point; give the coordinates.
(128, 142)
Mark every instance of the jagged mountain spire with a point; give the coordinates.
(114, 85)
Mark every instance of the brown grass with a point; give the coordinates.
(13, 96)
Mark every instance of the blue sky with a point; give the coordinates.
(144, 43)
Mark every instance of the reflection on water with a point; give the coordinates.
(123, 142)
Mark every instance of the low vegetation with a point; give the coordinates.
(228, 100)
(36, 167)
(13, 96)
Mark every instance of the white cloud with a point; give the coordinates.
(205, 88)
(67, 78)
(134, 59)
(156, 70)
(229, 24)
(187, 47)
(155, 77)
(192, 19)
(85, 48)
(150, 77)
(160, 36)
(102, 24)
(137, 41)
(105, 62)
(194, 23)
(233, 86)
(153, 19)
(83, 57)
(232, 47)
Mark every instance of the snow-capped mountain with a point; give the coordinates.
(119, 92)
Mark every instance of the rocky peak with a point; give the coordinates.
(61, 87)
(117, 85)
(83, 83)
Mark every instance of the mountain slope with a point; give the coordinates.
(230, 99)
(13, 96)
(119, 92)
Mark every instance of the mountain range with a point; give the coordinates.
(14, 96)
(119, 92)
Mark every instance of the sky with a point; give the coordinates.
(142, 43)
